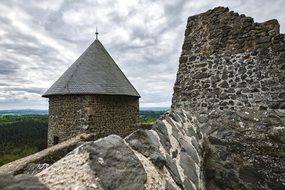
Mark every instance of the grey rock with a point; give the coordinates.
(119, 167)
(202, 118)
(277, 134)
(188, 185)
(201, 75)
(20, 182)
(158, 160)
(175, 133)
(143, 141)
(188, 165)
(161, 130)
(196, 145)
(263, 39)
(168, 186)
(175, 117)
(33, 168)
(224, 84)
(189, 149)
(282, 95)
(146, 143)
(190, 132)
(172, 168)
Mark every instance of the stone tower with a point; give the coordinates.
(92, 96)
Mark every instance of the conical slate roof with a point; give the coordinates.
(94, 72)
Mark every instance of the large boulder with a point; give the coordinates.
(107, 163)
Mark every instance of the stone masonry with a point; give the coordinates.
(102, 115)
(229, 62)
(226, 128)
(232, 77)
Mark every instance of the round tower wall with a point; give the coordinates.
(70, 115)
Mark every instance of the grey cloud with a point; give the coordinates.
(4, 84)
(34, 90)
(147, 55)
(7, 67)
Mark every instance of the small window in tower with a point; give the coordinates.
(55, 140)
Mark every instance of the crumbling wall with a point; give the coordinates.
(232, 76)
(230, 62)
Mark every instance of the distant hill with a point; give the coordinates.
(45, 112)
(154, 108)
(23, 112)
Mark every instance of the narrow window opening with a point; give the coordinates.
(55, 140)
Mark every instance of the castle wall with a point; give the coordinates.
(230, 62)
(70, 115)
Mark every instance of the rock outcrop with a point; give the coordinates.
(226, 128)
(167, 157)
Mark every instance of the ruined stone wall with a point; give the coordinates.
(230, 62)
(70, 115)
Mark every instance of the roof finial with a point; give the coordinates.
(96, 33)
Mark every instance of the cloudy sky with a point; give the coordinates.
(40, 39)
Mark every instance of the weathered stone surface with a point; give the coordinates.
(168, 186)
(33, 168)
(107, 163)
(161, 130)
(189, 168)
(146, 143)
(172, 168)
(189, 149)
(277, 134)
(246, 151)
(188, 185)
(111, 156)
(20, 182)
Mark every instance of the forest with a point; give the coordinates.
(22, 135)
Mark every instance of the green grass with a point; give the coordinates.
(147, 119)
(149, 116)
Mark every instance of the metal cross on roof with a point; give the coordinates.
(96, 34)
